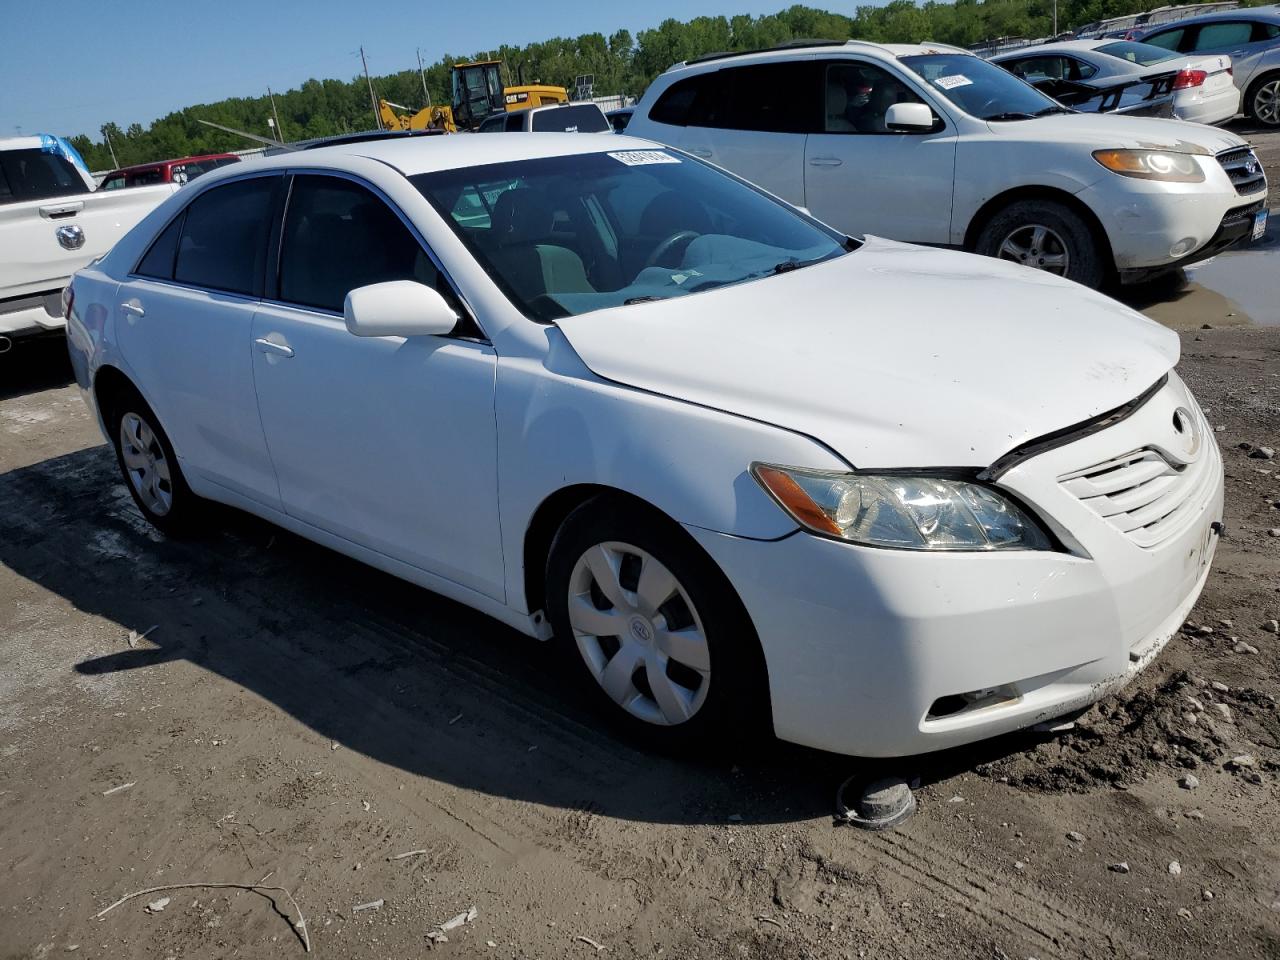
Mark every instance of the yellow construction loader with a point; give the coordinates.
(428, 118)
(478, 92)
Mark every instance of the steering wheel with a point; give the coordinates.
(666, 246)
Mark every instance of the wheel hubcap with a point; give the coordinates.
(1266, 103)
(1035, 245)
(145, 464)
(639, 634)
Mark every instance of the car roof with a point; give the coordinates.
(1270, 14)
(1067, 46)
(807, 47)
(431, 154)
(21, 143)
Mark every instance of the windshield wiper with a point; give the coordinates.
(1056, 108)
(1012, 115)
(645, 299)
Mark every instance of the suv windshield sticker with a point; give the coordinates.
(640, 158)
(953, 81)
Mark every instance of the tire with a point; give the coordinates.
(1262, 102)
(149, 467)
(1044, 235)
(685, 693)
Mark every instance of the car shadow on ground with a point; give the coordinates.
(32, 365)
(385, 668)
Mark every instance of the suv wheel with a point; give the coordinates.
(1044, 235)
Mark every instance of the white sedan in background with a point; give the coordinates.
(1202, 86)
(883, 498)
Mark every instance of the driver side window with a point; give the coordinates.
(858, 97)
(339, 236)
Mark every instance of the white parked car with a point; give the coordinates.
(888, 498)
(52, 223)
(931, 144)
(1080, 72)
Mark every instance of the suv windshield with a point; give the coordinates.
(981, 89)
(568, 235)
(1143, 54)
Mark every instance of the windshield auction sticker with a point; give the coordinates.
(641, 158)
(953, 81)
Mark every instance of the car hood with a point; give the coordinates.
(1112, 131)
(894, 355)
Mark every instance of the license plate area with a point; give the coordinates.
(1259, 225)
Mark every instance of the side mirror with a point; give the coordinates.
(909, 117)
(398, 308)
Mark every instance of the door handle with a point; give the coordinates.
(133, 308)
(271, 348)
(699, 152)
(825, 161)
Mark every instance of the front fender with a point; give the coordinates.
(560, 425)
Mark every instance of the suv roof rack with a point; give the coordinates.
(345, 138)
(722, 54)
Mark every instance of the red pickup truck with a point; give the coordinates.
(165, 171)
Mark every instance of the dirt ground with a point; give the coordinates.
(296, 719)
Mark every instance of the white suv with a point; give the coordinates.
(930, 144)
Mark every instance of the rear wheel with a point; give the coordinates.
(150, 467)
(1263, 100)
(1044, 235)
(652, 628)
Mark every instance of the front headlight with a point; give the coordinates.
(909, 513)
(1151, 165)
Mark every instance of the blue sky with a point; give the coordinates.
(70, 65)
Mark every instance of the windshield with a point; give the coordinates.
(1143, 54)
(569, 235)
(981, 89)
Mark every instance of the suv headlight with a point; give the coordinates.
(1152, 165)
(904, 512)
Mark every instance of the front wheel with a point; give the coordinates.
(1262, 102)
(652, 628)
(1044, 235)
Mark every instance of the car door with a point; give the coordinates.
(387, 442)
(183, 325)
(753, 121)
(861, 177)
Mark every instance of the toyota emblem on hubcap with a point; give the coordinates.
(70, 236)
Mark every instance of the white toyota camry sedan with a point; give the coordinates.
(739, 467)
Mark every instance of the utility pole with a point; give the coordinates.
(1055, 18)
(114, 162)
(373, 101)
(422, 73)
(279, 129)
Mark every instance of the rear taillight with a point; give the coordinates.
(1231, 71)
(1189, 78)
(68, 300)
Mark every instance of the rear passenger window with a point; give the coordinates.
(767, 98)
(571, 119)
(339, 236)
(224, 237)
(158, 262)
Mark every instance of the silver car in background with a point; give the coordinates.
(1124, 76)
(1250, 37)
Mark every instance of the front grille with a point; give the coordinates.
(1144, 495)
(1244, 169)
